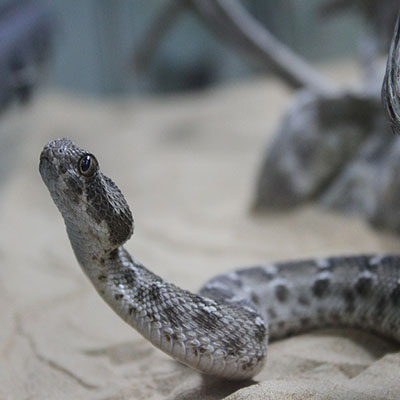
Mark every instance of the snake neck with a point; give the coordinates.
(90, 254)
(196, 330)
(226, 340)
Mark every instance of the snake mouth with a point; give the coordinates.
(44, 160)
(45, 167)
(44, 155)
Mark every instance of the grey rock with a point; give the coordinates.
(386, 214)
(318, 137)
(337, 148)
(358, 184)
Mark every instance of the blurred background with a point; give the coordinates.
(138, 49)
(204, 112)
(95, 40)
(93, 43)
(133, 49)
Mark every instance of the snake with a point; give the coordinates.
(224, 329)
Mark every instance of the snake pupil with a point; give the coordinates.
(85, 164)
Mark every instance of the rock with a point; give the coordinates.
(359, 184)
(317, 138)
(339, 151)
(386, 213)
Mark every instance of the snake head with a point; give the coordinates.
(92, 205)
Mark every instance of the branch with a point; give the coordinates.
(152, 38)
(229, 20)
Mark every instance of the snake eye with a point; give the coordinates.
(87, 165)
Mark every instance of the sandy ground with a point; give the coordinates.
(187, 166)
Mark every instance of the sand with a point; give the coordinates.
(187, 166)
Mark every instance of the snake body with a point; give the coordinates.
(224, 329)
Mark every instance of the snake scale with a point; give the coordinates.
(223, 330)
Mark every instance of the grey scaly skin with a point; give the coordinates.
(219, 338)
(223, 330)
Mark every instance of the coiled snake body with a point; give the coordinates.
(224, 329)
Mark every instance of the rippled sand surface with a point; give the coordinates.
(187, 166)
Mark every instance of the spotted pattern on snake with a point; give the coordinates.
(224, 329)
